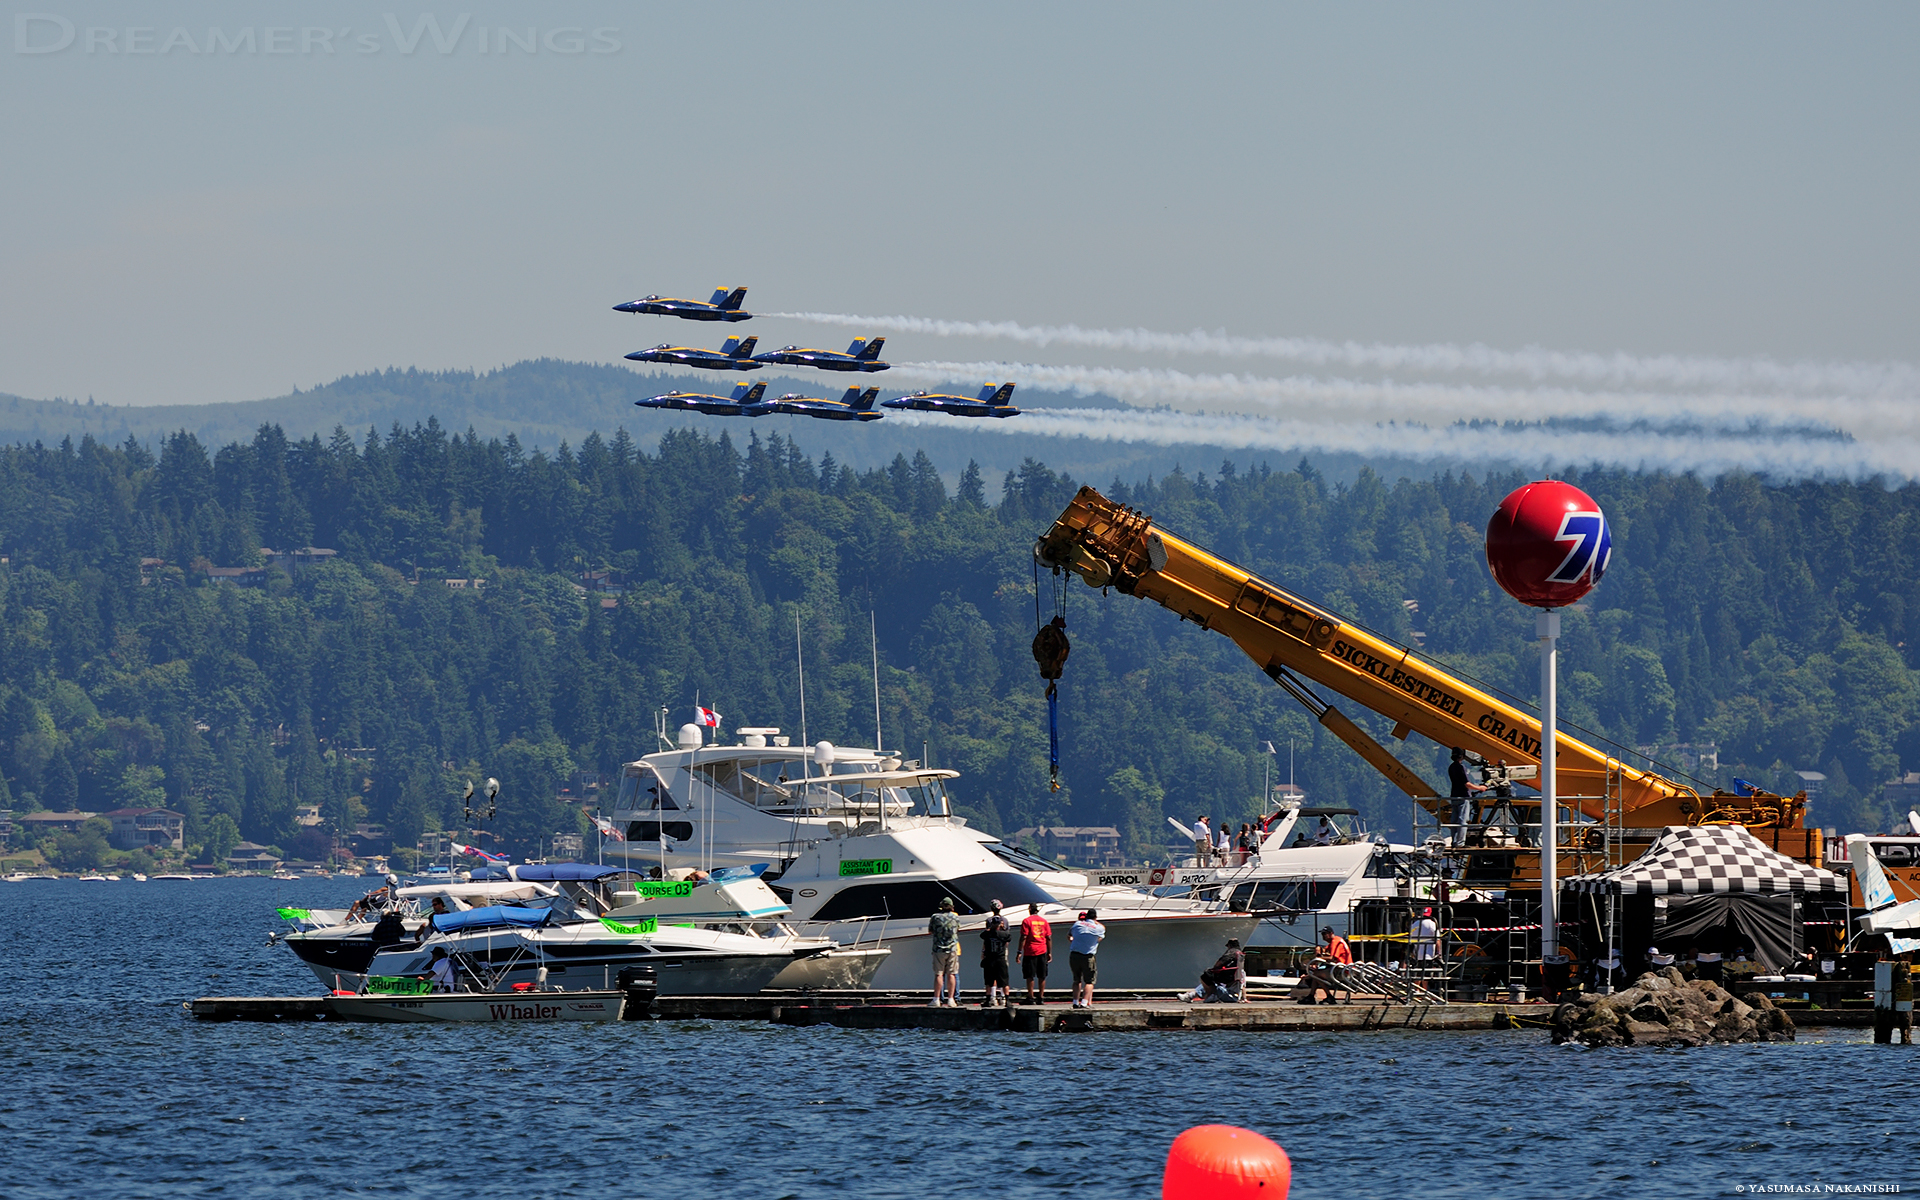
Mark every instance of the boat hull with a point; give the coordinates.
(1138, 953)
(492, 1008)
(850, 968)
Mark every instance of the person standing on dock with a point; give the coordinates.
(1202, 841)
(1036, 951)
(1426, 938)
(994, 936)
(1082, 950)
(944, 927)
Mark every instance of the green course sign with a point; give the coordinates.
(295, 914)
(397, 985)
(866, 866)
(668, 889)
(637, 929)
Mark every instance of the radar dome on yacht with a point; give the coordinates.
(823, 756)
(755, 736)
(690, 738)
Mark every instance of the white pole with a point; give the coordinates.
(873, 633)
(1547, 627)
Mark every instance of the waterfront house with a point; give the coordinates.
(138, 828)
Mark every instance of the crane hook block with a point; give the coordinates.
(1050, 648)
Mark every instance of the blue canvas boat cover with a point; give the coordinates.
(550, 872)
(493, 915)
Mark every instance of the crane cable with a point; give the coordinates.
(1050, 650)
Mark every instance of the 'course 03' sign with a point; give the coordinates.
(652, 889)
(866, 866)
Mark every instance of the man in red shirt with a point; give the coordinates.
(1333, 951)
(1036, 950)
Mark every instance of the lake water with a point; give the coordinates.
(111, 1090)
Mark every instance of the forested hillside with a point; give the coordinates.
(1770, 620)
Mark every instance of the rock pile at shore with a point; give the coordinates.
(1663, 1009)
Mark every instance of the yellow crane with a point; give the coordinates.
(1295, 642)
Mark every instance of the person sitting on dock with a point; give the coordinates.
(1082, 952)
(1334, 952)
(994, 936)
(1036, 950)
(1708, 965)
(1226, 980)
(1605, 975)
(944, 926)
(444, 979)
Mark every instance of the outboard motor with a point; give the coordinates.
(641, 984)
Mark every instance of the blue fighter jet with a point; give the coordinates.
(856, 405)
(725, 306)
(996, 400)
(745, 402)
(862, 355)
(736, 355)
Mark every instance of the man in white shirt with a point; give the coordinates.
(444, 979)
(1202, 842)
(1426, 938)
(1082, 956)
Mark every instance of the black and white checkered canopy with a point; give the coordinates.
(1688, 860)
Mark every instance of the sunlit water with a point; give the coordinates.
(111, 1090)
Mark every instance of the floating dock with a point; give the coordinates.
(1123, 1011)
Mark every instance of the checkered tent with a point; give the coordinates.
(1698, 859)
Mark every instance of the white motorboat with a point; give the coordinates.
(575, 927)
(863, 846)
(1312, 866)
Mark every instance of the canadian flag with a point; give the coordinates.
(706, 716)
(609, 829)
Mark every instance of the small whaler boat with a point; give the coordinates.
(503, 1008)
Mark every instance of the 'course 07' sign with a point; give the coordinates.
(866, 866)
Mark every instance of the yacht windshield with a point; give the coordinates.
(911, 899)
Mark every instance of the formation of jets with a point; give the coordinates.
(995, 400)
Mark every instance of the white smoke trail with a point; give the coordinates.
(1343, 401)
(1613, 370)
(1534, 447)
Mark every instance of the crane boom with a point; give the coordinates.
(1108, 544)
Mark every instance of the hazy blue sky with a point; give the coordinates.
(218, 224)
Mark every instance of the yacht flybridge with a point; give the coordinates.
(863, 845)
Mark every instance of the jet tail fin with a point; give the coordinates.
(866, 351)
(858, 400)
(748, 393)
(739, 347)
(730, 301)
(997, 393)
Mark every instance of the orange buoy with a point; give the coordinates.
(1225, 1162)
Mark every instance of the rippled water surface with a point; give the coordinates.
(111, 1090)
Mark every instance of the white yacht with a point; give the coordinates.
(863, 846)
(1312, 866)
